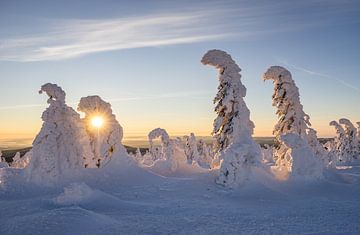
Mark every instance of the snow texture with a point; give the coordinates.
(233, 128)
(62, 144)
(104, 140)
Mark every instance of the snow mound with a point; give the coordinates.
(74, 194)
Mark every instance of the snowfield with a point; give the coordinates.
(125, 199)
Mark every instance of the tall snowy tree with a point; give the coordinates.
(352, 149)
(62, 143)
(233, 128)
(291, 117)
(105, 140)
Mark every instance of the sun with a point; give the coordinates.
(97, 122)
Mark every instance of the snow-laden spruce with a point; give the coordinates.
(291, 118)
(320, 152)
(233, 128)
(191, 149)
(352, 148)
(62, 144)
(104, 140)
(339, 144)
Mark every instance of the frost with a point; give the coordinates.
(233, 128)
(104, 140)
(62, 143)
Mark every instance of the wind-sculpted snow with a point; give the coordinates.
(62, 144)
(233, 128)
(104, 140)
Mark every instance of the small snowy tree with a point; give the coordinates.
(338, 145)
(104, 140)
(62, 143)
(352, 148)
(318, 148)
(191, 149)
(233, 128)
(167, 149)
(3, 164)
(16, 158)
(358, 131)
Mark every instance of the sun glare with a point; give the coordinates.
(97, 122)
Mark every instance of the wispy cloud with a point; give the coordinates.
(63, 39)
(73, 38)
(322, 75)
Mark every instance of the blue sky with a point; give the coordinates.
(144, 57)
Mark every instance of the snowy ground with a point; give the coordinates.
(134, 201)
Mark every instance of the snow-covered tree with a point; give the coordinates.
(191, 149)
(3, 164)
(352, 149)
(21, 162)
(16, 158)
(104, 131)
(338, 145)
(62, 143)
(205, 153)
(233, 128)
(358, 131)
(286, 99)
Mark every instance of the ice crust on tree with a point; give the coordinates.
(291, 118)
(233, 128)
(62, 144)
(106, 140)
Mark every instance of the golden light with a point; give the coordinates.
(97, 122)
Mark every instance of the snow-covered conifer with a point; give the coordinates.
(62, 143)
(318, 148)
(167, 149)
(338, 145)
(233, 128)
(191, 149)
(105, 139)
(352, 149)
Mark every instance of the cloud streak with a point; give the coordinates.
(322, 75)
(74, 38)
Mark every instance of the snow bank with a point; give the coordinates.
(233, 128)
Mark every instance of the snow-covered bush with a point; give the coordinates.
(233, 128)
(105, 140)
(352, 147)
(166, 152)
(62, 143)
(319, 150)
(299, 160)
(291, 118)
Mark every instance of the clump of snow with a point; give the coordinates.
(62, 143)
(233, 128)
(300, 161)
(291, 120)
(104, 140)
(74, 194)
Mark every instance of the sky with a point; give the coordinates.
(144, 58)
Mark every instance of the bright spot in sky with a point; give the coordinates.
(97, 122)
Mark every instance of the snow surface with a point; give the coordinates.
(125, 199)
